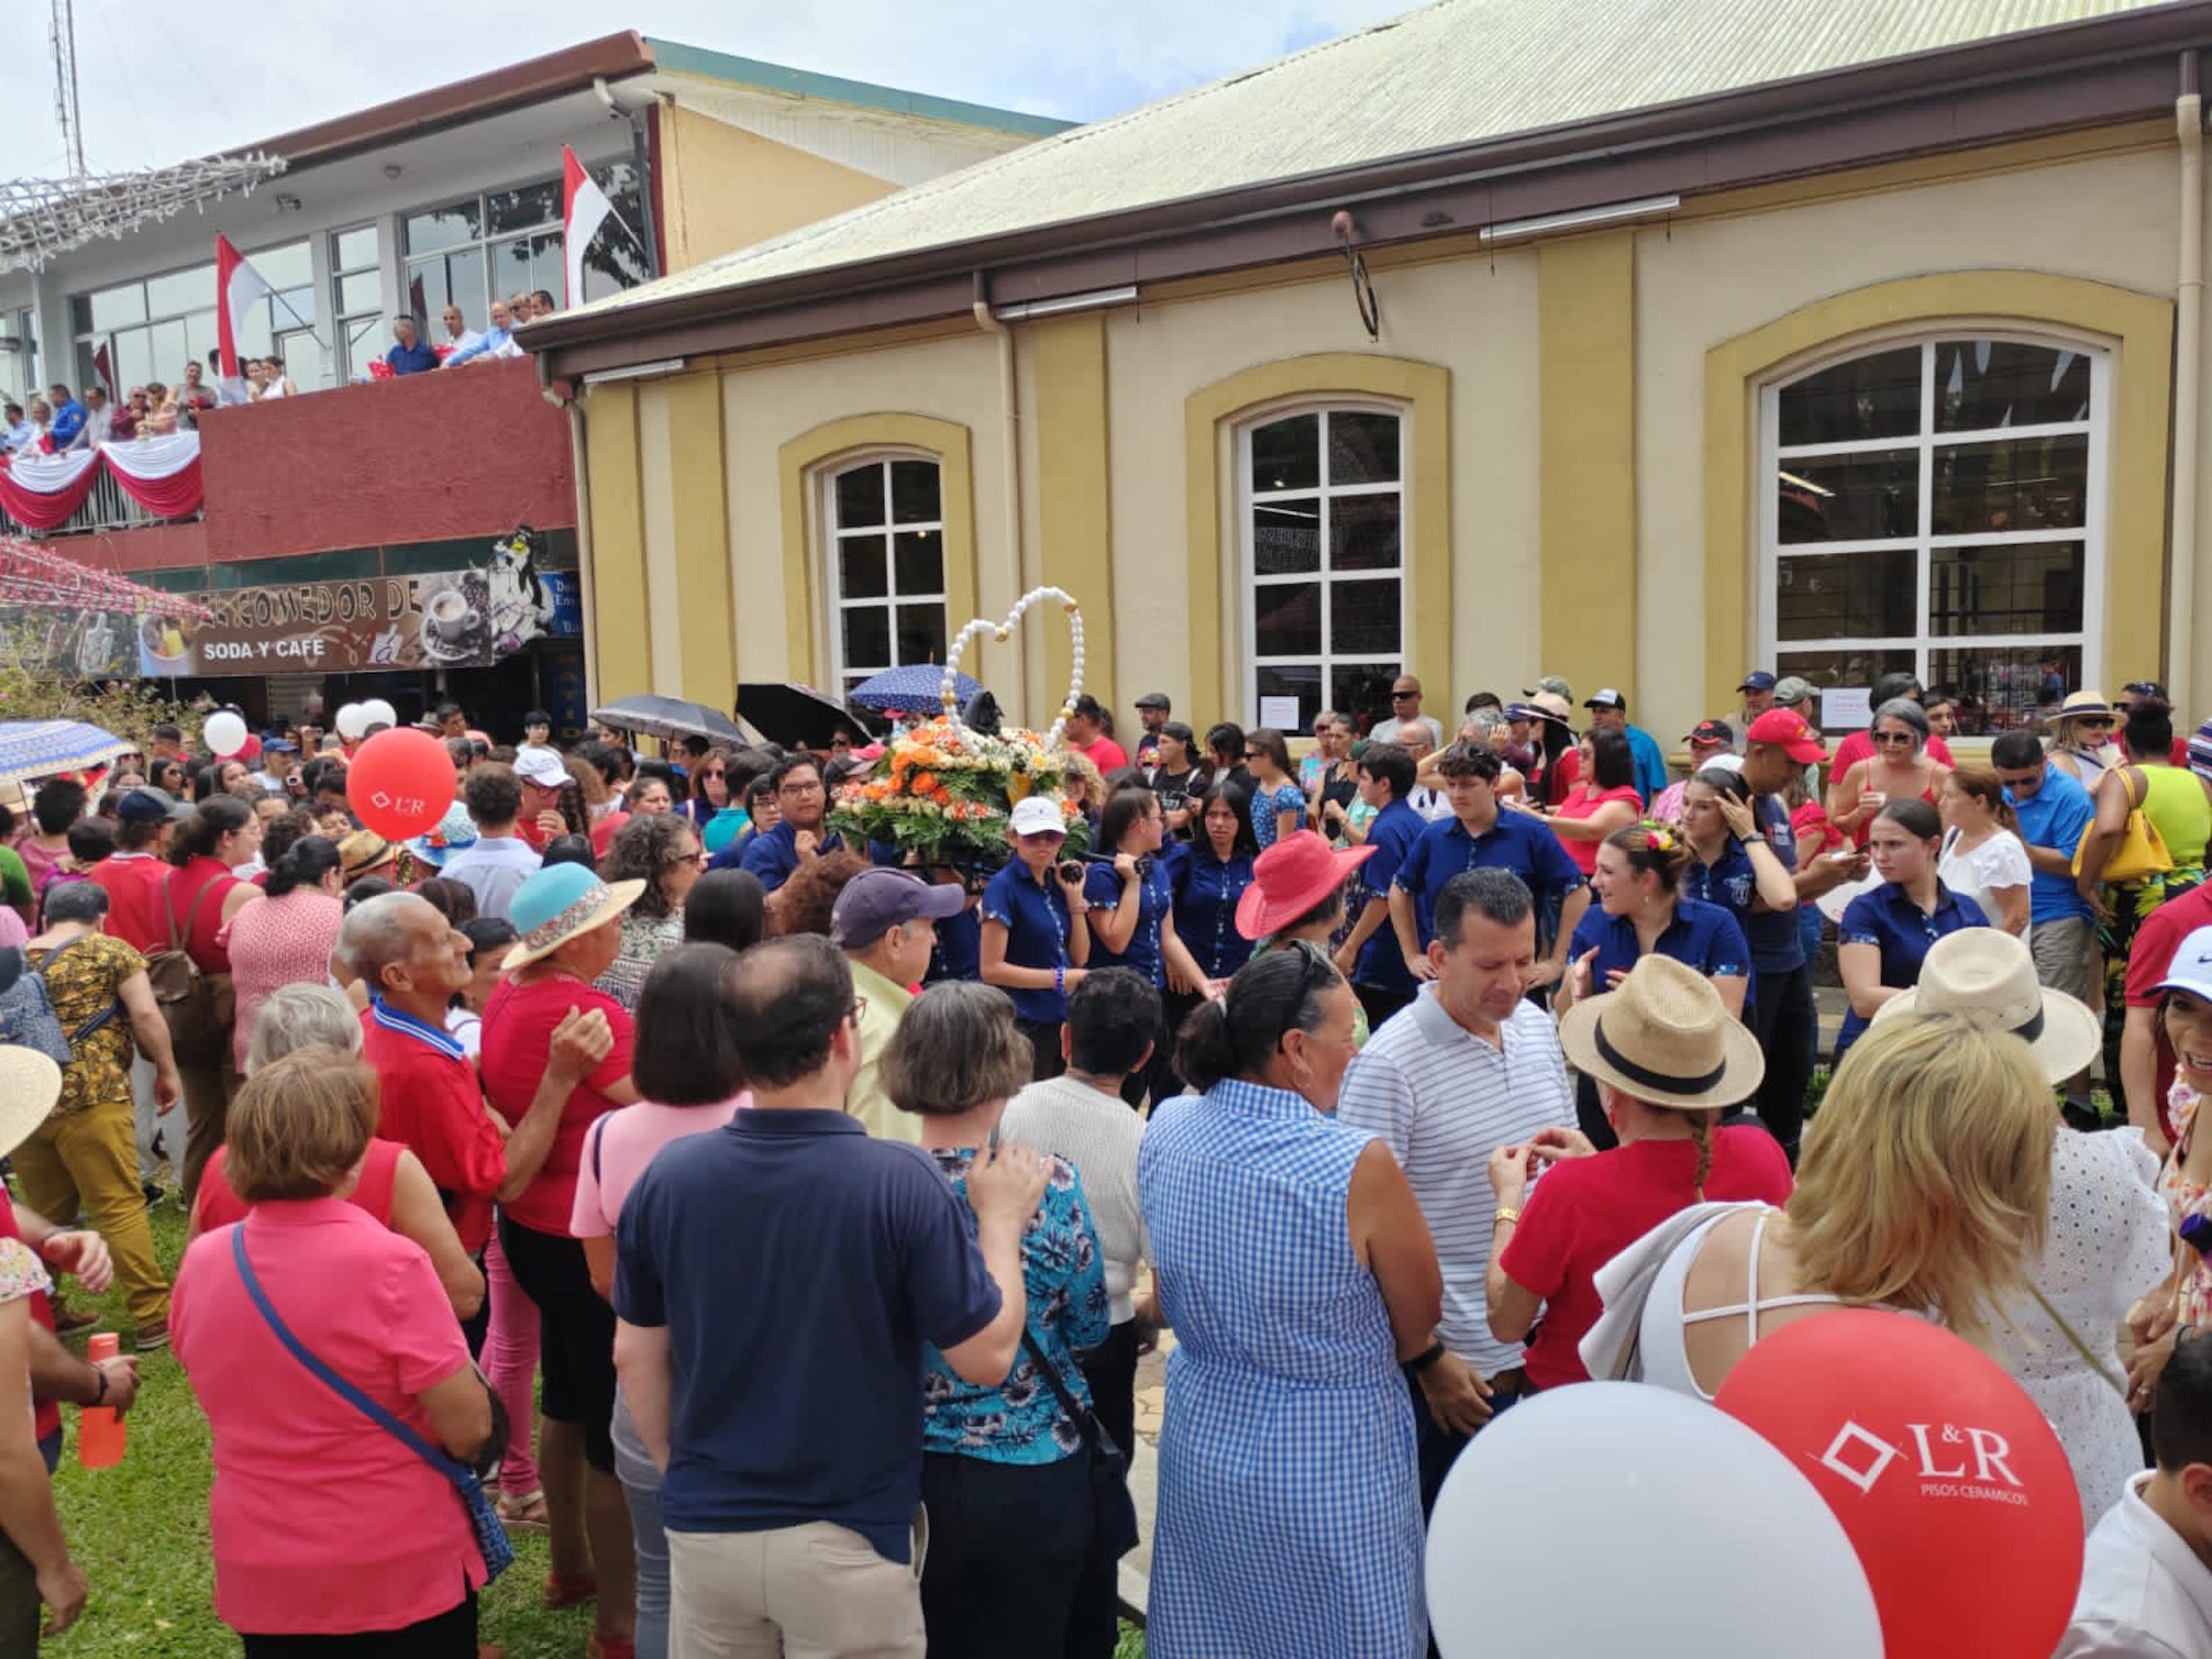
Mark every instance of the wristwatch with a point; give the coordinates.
(1426, 1357)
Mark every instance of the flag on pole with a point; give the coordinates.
(584, 208)
(103, 368)
(238, 285)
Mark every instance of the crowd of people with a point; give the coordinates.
(780, 1225)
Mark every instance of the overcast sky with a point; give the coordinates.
(160, 80)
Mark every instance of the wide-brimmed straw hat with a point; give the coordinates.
(2078, 704)
(1664, 1036)
(1987, 977)
(30, 1083)
(1291, 878)
(557, 903)
(362, 851)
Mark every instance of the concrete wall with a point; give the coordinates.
(722, 188)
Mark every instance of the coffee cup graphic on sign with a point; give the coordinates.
(451, 616)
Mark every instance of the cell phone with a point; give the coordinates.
(994, 1141)
(1071, 870)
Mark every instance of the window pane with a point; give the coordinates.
(289, 266)
(118, 307)
(2025, 484)
(1982, 384)
(443, 227)
(1363, 448)
(921, 633)
(1363, 618)
(913, 492)
(1361, 690)
(354, 250)
(1875, 397)
(525, 209)
(167, 342)
(861, 497)
(867, 636)
(1287, 620)
(1851, 498)
(133, 358)
(80, 313)
(2000, 688)
(1303, 684)
(1848, 596)
(200, 337)
(427, 293)
(292, 307)
(2030, 587)
(861, 574)
(1286, 455)
(303, 359)
(1286, 537)
(362, 291)
(465, 285)
(364, 342)
(1845, 671)
(180, 291)
(919, 555)
(1364, 533)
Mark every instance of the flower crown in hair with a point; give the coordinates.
(1657, 838)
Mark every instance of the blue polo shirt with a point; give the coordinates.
(1702, 936)
(1777, 946)
(1728, 881)
(1392, 835)
(1034, 916)
(958, 952)
(773, 854)
(411, 359)
(863, 1254)
(1902, 931)
(2055, 817)
(1102, 888)
(1206, 895)
(1524, 845)
(1650, 763)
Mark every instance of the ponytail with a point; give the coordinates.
(305, 863)
(1204, 1053)
(1272, 995)
(1701, 1131)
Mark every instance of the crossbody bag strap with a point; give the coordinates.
(2072, 1336)
(178, 941)
(100, 1020)
(1085, 1421)
(346, 1391)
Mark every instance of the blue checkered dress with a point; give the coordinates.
(1289, 1510)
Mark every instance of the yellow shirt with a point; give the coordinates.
(866, 1100)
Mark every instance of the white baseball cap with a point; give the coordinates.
(541, 766)
(1037, 815)
(2191, 970)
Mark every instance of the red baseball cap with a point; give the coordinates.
(1787, 730)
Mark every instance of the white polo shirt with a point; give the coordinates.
(2144, 1593)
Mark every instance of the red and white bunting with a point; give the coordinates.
(162, 475)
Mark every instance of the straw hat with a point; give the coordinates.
(30, 1083)
(2078, 703)
(362, 851)
(1987, 977)
(1665, 1038)
(1291, 878)
(557, 903)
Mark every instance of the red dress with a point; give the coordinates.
(200, 923)
(1582, 805)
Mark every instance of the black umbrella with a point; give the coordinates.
(668, 718)
(798, 716)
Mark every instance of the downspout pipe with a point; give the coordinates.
(2188, 393)
(571, 401)
(1010, 462)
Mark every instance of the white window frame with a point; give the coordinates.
(835, 603)
(1248, 498)
(1773, 459)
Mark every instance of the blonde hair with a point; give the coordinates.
(1926, 1175)
(299, 1125)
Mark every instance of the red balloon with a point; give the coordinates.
(400, 783)
(1954, 1490)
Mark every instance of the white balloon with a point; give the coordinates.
(225, 734)
(352, 721)
(377, 712)
(1703, 1538)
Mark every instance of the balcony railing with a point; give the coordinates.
(105, 508)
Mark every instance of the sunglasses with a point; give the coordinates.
(1403, 697)
(1888, 738)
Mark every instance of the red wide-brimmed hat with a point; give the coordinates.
(1291, 878)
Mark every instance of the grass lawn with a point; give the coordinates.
(140, 1531)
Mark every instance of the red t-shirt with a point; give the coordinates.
(1103, 753)
(1812, 826)
(1586, 1210)
(217, 1206)
(517, 1033)
(1584, 853)
(2150, 958)
(199, 912)
(133, 881)
(1860, 746)
(432, 1106)
(45, 1414)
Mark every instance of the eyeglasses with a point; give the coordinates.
(813, 788)
(1886, 738)
(859, 1009)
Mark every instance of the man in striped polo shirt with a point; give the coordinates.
(1471, 1066)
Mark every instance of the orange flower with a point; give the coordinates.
(942, 797)
(923, 783)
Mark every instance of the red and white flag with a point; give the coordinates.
(238, 285)
(584, 208)
(105, 370)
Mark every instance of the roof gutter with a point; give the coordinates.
(1976, 94)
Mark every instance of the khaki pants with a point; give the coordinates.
(89, 1160)
(816, 1591)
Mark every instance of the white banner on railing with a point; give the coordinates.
(50, 474)
(148, 460)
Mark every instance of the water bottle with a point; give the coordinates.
(99, 1431)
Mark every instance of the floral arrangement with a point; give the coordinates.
(944, 790)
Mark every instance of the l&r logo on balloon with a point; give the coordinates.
(1862, 1457)
(384, 801)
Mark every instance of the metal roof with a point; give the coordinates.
(1460, 72)
(675, 58)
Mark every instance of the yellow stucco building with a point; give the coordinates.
(1756, 333)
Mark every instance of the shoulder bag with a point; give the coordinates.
(190, 1000)
(483, 1519)
(1113, 1512)
(2142, 851)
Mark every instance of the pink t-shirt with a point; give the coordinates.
(619, 1146)
(322, 1522)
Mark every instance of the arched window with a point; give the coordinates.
(886, 558)
(1322, 515)
(1937, 507)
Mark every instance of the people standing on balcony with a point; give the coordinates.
(68, 417)
(497, 341)
(16, 432)
(97, 415)
(274, 383)
(123, 419)
(41, 424)
(410, 355)
(541, 304)
(458, 335)
(194, 394)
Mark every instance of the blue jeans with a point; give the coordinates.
(640, 1485)
(1439, 1448)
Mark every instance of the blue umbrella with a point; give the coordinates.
(916, 688)
(38, 748)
